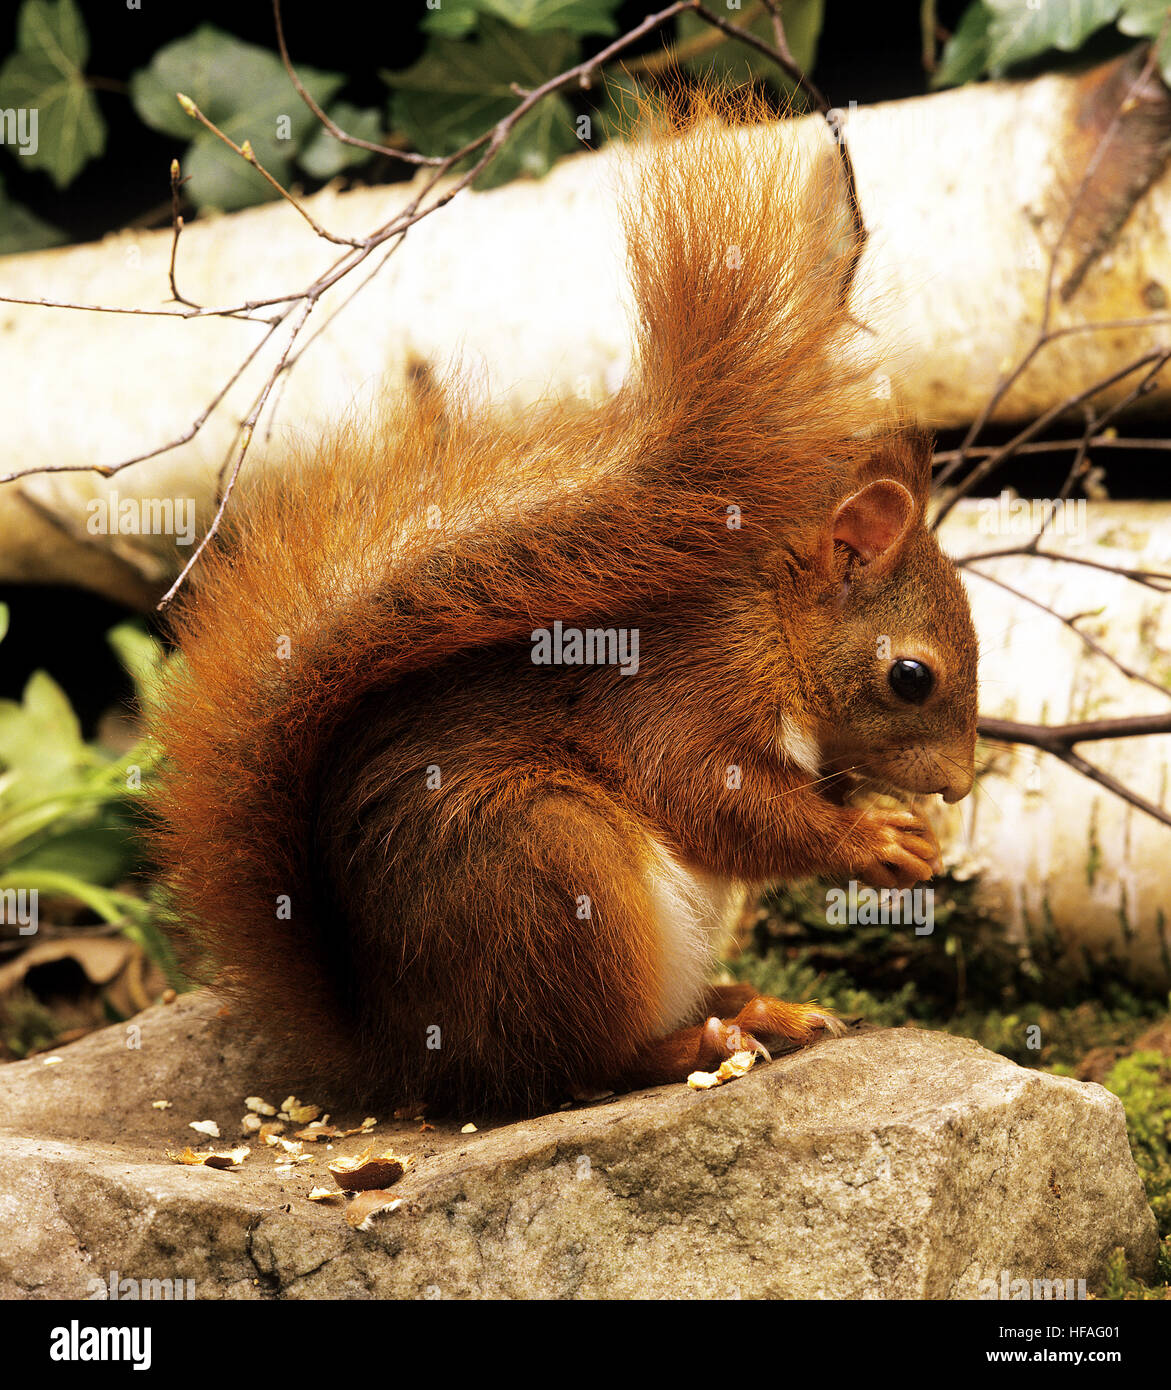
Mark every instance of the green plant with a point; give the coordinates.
(995, 36)
(1142, 1082)
(479, 57)
(1120, 1283)
(70, 811)
(800, 982)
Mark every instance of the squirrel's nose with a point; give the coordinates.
(959, 779)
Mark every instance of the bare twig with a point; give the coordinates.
(107, 470)
(407, 156)
(1152, 579)
(1155, 360)
(1045, 333)
(1052, 446)
(246, 153)
(249, 425)
(781, 54)
(1071, 623)
(176, 228)
(1059, 741)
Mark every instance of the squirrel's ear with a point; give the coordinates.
(872, 522)
(905, 456)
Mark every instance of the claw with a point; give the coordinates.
(722, 1040)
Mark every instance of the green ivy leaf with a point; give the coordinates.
(965, 56)
(22, 230)
(1144, 19)
(733, 61)
(457, 91)
(56, 30)
(325, 155)
(1018, 31)
(48, 709)
(245, 91)
(141, 655)
(622, 97)
(45, 76)
(453, 19)
(222, 180)
(457, 18)
(545, 134)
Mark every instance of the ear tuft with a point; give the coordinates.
(873, 521)
(906, 456)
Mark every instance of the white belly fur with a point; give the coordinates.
(693, 911)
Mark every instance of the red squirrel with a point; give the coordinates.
(484, 719)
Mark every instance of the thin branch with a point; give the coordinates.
(107, 470)
(407, 156)
(781, 54)
(249, 424)
(1152, 579)
(1071, 623)
(246, 153)
(1155, 359)
(1059, 741)
(221, 311)
(337, 308)
(1056, 736)
(1052, 446)
(176, 228)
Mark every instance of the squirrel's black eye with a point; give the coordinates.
(911, 680)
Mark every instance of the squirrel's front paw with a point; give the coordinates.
(906, 853)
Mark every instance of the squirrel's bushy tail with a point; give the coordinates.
(400, 544)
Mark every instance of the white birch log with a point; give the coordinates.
(1059, 859)
(524, 288)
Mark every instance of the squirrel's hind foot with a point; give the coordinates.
(789, 1025)
(763, 1025)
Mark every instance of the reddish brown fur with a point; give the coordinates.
(458, 906)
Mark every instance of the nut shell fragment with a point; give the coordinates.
(369, 1170)
(366, 1205)
(224, 1159)
(298, 1112)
